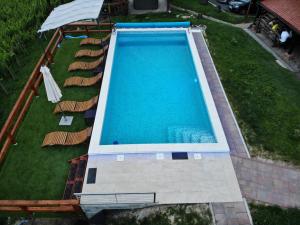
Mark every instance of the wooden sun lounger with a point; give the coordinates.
(74, 106)
(94, 41)
(91, 53)
(67, 138)
(85, 65)
(83, 81)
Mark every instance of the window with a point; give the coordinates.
(145, 4)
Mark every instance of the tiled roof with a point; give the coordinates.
(287, 10)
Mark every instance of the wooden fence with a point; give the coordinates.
(10, 127)
(16, 116)
(40, 205)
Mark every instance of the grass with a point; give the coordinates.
(265, 97)
(212, 11)
(32, 172)
(267, 215)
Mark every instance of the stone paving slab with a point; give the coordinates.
(268, 182)
(231, 213)
(211, 179)
(235, 140)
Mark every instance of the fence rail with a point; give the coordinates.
(40, 205)
(16, 116)
(22, 104)
(116, 198)
(86, 27)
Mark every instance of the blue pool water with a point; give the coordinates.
(154, 94)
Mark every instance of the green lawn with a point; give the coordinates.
(212, 11)
(32, 172)
(265, 97)
(272, 215)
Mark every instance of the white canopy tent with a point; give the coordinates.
(71, 12)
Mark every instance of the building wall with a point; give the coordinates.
(162, 7)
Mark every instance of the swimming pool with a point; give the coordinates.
(155, 97)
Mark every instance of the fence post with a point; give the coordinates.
(109, 9)
(50, 58)
(13, 140)
(116, 198)
(154, 197)
(34, 90)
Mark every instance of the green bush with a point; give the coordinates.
(19, 21)
(272, 215)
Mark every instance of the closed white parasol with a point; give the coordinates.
(53, 92)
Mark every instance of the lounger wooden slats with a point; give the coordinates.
(74, 106)
(85, 65)
(67, 138)
(59, 138)
(95, 41)
(91, 53)
(83, 81)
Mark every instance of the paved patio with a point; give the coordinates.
(234, 212)
(233, 135)
(210, 179)
(231, 213)
(268, 182)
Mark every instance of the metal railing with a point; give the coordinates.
(116, 198)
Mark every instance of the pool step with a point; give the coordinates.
(202, 138)
(180, 134)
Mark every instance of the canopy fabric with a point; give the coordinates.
(74, 11)
(52, 90)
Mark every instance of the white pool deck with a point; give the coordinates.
(209, 179)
